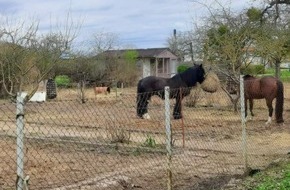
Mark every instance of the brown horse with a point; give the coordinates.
(267, 87)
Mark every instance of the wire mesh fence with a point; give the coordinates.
(102, 144)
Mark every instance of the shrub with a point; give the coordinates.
(253, 69)
(117, 133)
(63, 81)
(150, 142)
(182, 68)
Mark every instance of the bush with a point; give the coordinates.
(182, 68)
(253, 69)
(63, 81)
(117, 134)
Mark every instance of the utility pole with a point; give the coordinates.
(191, 53)
(175, 42)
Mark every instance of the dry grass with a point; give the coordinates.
(211, 83)
(117, 132)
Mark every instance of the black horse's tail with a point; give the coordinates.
(279, 102)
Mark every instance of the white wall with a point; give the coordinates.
(173, 67)
(37, 97)
(146, 69)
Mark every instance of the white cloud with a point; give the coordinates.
(142, 23)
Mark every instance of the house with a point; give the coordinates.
(159, 62)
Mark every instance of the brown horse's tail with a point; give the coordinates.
(279, 102)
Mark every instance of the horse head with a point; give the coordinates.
(200, 73)
(193, 75)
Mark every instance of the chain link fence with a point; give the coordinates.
(102, 144)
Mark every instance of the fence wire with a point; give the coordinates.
(103, 144)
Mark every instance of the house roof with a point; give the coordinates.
(142, 53)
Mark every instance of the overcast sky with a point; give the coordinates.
(138, 23)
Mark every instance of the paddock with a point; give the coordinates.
(102, 144)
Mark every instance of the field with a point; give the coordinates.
(101, 144)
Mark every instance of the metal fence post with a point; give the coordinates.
(243, 119)
(20, 140)
(168, 137)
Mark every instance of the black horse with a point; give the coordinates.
(179, 86)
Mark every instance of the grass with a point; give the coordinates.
(275, 177)
(285, 74)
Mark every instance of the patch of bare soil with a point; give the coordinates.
(70, 145)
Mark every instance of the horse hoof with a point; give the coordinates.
(249, 118)
(269, 121)
(146, 116)
(281, 122)
(177, 116)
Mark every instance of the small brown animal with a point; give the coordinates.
(102, 90)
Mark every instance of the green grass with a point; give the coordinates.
(276, 177)
(285, 74)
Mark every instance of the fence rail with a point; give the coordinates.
(102, 144)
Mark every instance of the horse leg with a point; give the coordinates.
(251, 103)
(270, 108)
(246, 108)
(142, 105)
(177, 109)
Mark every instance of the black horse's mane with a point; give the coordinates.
(187, 75)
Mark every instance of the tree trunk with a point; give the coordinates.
(82, 91)
(277, 68)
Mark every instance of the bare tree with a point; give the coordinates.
(27, 57)
(180, 43)
(103, 41)
(108, 69)
(274, 8)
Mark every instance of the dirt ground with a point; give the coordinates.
(101, 144)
